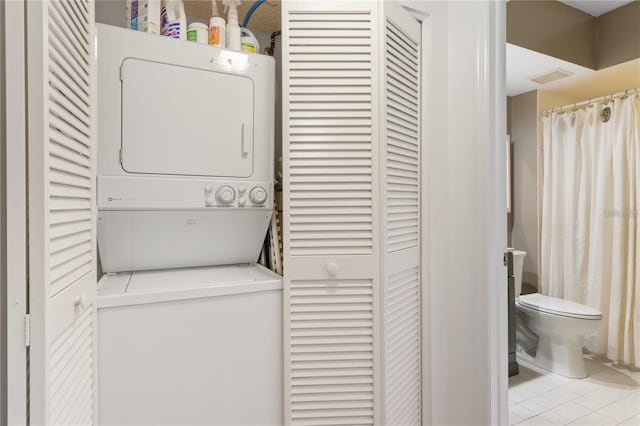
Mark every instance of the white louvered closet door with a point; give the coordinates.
(400, 119)
(61, 184)
(352, 76)
(331, 238)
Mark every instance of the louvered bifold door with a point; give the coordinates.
(61, 183)
(400, 119)
(331, 242)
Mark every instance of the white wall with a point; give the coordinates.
(465, 204)
(524, 135)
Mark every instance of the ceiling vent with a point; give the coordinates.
(549, 76)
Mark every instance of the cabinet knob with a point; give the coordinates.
(332, 268)
(80, 301)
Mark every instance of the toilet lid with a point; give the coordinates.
(553, 305)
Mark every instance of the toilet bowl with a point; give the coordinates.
(559, 324)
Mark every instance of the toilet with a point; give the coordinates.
(559, 324)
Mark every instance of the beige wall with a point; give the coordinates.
(552, 28)
(510, 214)
(110, 12)
(555, 29)
(524, 135)
(617, 36)
(604, 82)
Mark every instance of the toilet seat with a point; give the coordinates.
(555, 306)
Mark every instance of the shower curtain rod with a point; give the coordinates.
(605, 98)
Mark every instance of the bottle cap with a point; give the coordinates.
(197, 26)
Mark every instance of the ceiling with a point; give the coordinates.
(524, 63)
(596, 7)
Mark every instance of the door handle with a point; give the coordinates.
(243, 142)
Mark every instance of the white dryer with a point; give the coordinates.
(185, 149)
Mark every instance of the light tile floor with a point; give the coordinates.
(609, 396)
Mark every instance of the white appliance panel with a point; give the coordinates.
(189, 347)
(159, 239)
(178, 120)
(143, 193)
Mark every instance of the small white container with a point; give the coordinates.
(198, 32)
(217, 30)
(249, 42)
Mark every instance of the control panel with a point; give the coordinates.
(236, 196)
(153, 193)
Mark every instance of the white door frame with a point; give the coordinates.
(465, 355)
(13, 372)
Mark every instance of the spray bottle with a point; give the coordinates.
(233, 26)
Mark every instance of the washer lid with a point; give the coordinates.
(143, 287)
(553, 305)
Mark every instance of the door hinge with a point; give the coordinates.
(121, 156)
(27, 330)
(120, 72)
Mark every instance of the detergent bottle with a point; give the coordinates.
(173, 19)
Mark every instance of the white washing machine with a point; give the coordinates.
(185, 181)
(197, 346)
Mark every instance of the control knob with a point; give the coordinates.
(258, 195)
(225, 194)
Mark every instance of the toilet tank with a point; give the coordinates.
(518, 263)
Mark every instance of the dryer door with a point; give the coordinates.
(186, 121)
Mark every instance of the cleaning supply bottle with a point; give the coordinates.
(173, 19)
(233, 26)
(249, 42)
(198, 32)
(217, 27)
(143, 15)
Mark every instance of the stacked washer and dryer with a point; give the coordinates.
(189, 327)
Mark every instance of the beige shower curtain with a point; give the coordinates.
(590, 229)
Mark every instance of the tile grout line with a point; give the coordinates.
(579, 398)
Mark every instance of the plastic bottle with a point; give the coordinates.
(233, 27)
(198, 32)
(217, 27)
(143, 15)
(173, 19)
(249, 42)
